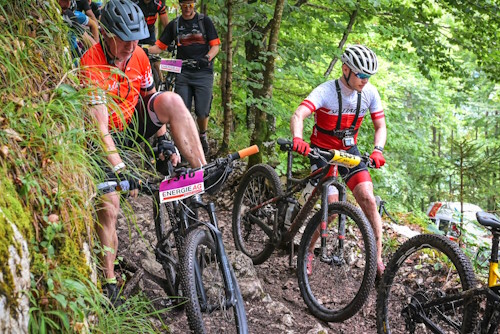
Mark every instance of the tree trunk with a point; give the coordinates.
(261, 133)
(227, 81)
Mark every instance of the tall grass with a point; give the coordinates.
(44, 136)
(79, 307)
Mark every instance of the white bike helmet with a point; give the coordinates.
(360, 59)
(124, 19)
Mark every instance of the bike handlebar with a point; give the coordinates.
(339, 157)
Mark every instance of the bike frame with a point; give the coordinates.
(183, 219)
(494, 274)
(326, 177)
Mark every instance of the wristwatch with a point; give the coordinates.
(380, 148)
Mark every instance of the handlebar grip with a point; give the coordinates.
(248, 151)
(245, 152)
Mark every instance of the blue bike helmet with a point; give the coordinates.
(124, 19)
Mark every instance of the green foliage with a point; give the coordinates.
(78, 306)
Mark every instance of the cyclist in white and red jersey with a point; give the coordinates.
(127, 109)
(339, 107)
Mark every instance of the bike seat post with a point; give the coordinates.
(289, 170)
(494, 247)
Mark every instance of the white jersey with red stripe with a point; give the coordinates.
(323, 102)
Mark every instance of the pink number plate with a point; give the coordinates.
(171, 65)
(180, 187)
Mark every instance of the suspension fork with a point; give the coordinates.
(221, 254)
(339, 255)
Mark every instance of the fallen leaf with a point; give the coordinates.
(17, 100)
(13, 134)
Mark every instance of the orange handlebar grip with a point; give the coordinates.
(248, 151)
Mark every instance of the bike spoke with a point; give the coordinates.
(421, 288)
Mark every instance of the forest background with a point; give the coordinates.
(438, 79)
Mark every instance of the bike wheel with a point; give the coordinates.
(166, 248)
(341, 277)
(252, 224)
(424, 267)
(208, 310)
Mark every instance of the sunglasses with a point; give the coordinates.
(187, 5)
(362, 76)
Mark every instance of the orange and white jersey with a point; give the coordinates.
(108, 84)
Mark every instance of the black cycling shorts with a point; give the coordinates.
(143, 125)
(197, 84)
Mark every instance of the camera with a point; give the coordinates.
(348, 141)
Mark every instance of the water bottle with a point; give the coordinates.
(289, 215)
(304, 196)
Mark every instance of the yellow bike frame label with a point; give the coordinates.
(494, 275)
(345, 159)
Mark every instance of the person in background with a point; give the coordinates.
(84, 7)
(79, 23)
(96, 7)
(126, 107)
(339, 107)
(196, 39)
(153, 9)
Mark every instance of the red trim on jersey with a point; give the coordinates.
(359, 177)
(150, 20)
(377, 115)
(309, 105)
(161, 45)
(214, 42)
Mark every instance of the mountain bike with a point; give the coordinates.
(344, 257)
(190, 246)
(429, 286)
(172, 66)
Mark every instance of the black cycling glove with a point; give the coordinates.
(165, 146)
(123, 180)
(128, 181)
(203, 62)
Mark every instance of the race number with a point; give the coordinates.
(181, 187)
(171, 65)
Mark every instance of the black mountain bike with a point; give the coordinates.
(429, 286)
(191, 250)
(344, 257)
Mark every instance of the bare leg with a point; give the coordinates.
(202, 124)
(106, 230)
(170, 108)
(363, 192)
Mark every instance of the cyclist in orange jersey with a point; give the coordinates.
(123, 100)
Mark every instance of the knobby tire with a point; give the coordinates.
(167, 246)
(259, 184)
(424, 267)
(200, 250)
(335, 291)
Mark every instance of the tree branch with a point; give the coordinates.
(347, 31)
